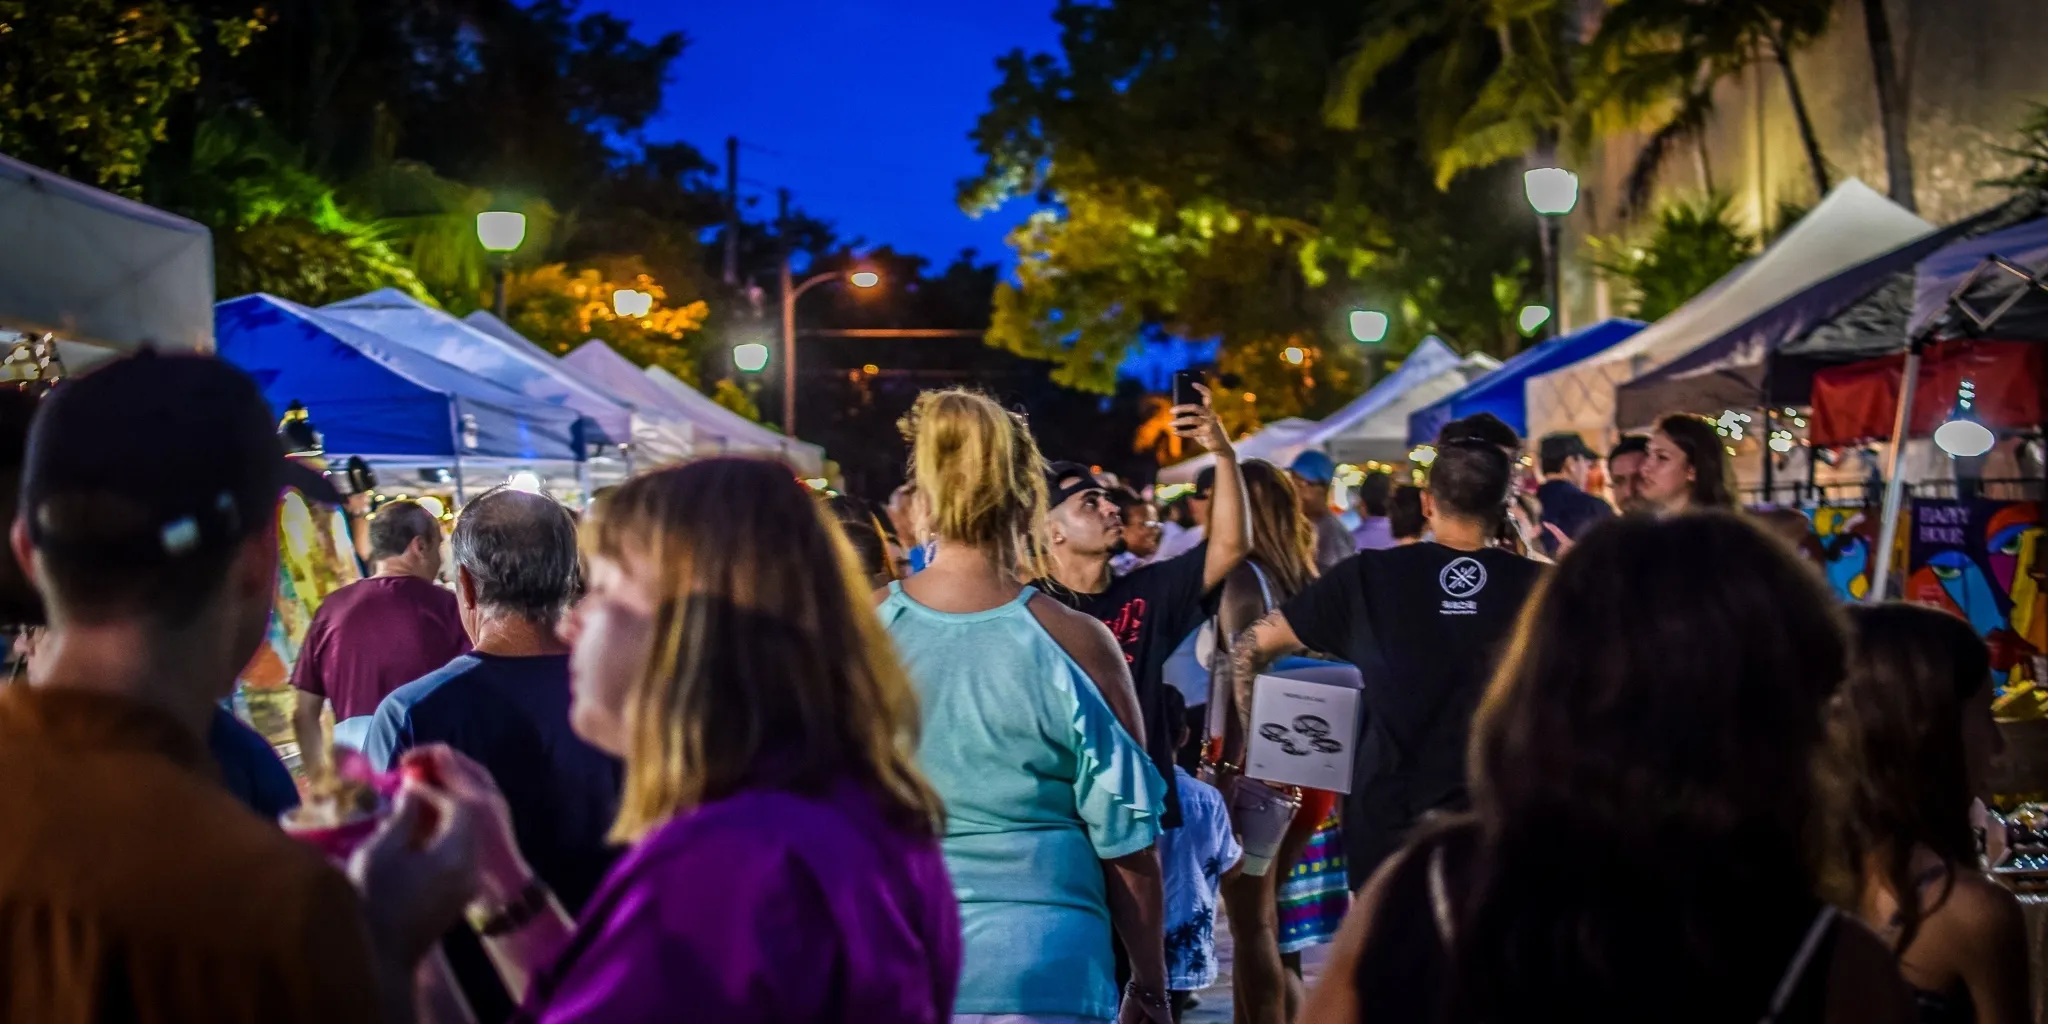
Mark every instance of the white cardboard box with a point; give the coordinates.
(1303, 733)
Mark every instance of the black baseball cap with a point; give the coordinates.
(154, 457)
(1055, 495)
(1555, 448)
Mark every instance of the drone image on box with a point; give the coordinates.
(1313, 731)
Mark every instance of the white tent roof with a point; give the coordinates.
(1852, 225)
(715, 428)
(1375, 425)
(1277, 442)
(408, 321)
(720, 426)
(483, 320)
(103, 273)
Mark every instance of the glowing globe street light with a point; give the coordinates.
(1552, 192)
(632, 303)
(791, 291)
(750, 357)
(864, 279)
(1369, 325)
(1963, 436)
(1533, 317)
(500, 232)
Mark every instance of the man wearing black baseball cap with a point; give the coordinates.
(147, 520)
(1566, 461)
(1153, 606)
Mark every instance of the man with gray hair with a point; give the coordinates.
(506, 705)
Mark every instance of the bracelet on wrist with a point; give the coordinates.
(1151, 998)
(522, 910)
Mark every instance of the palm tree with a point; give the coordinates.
(1668, 55)
(1891, 103)
(1493, 79)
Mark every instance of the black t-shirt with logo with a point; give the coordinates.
(1424, 624)
(1150, 610)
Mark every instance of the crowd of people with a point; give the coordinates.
(725, 751)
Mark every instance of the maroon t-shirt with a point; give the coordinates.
(374, 636)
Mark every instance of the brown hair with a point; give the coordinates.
(1283, 541)
(1713, 472)
(769, 668)
(1679, 756)
(1897, 735)
(979, 472)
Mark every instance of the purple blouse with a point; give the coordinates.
(766, 906)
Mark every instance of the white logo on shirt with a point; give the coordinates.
(1464, 577)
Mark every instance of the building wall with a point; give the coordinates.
(1970, 69)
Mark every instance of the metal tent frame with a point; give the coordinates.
(1958, 304)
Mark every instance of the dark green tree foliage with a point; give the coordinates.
(1191, 182)
(1693, 244)
(85, 84)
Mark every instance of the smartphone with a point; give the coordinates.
(1184, 392)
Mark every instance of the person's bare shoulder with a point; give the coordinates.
(1864, 986)
(1978, 918)
(1090, 644)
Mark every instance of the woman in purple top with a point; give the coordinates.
(785, 859)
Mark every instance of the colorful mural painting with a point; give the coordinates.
(1983, 560)
(1846, 535)
(315, 559)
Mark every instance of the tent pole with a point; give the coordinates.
(1895, 481)
(1770, 467)
(455, 446)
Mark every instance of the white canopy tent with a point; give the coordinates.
(1374, 427)
(1853, 224)
(721, 429)
(104, 274)
(655, 436)
(715, 429)
(1278, 443)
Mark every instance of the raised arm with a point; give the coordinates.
(1230, 514)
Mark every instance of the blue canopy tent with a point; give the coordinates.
(380, 399)
(1500, 392)
(407, 320)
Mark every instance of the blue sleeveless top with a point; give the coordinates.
(1041, 784)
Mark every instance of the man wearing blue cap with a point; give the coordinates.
(1313, 471)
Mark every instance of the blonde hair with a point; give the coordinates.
(768, 669)
(980, 474)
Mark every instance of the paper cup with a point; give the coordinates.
(336, 842)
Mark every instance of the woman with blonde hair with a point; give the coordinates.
(784, 861)
(1032, 737)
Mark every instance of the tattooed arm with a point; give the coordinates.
(1268, 639)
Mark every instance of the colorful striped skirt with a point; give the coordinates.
(1316, 893)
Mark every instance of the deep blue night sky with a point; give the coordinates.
(862, 106)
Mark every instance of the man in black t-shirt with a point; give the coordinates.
(1566, 461)
(1152, 608)
(1424, 623)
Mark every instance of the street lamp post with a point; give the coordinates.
(501, 232)
(858, 278)
(1552, 193)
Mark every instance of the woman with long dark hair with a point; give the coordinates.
(1687, 468)
(1914, 737)
(1645, 792)
(784, 859)
(1281, 565)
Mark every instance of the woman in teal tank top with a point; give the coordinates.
(1029, 735)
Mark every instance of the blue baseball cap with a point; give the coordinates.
(1314, 467)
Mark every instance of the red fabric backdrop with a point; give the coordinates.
(1857, 402)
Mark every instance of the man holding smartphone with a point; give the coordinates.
(1153, 607)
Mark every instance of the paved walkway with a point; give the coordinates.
(1215, 1005)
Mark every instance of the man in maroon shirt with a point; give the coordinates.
(376, 635)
